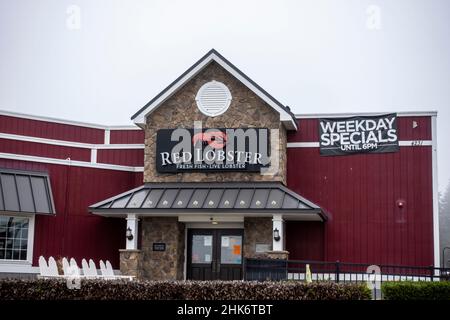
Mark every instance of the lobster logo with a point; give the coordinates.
(215, 139)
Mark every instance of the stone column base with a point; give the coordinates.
(280, 255)
(129, 262)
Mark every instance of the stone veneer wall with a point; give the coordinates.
(257, 231)
(180, 111)
(162, 265)
(246, 110)
(129, 262)
(155, 265)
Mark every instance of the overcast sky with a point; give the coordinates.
(100, 61)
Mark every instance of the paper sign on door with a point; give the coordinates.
(225, 241)
(207, 258)
(237, 249)
(207, 241)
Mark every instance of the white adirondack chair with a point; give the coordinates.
(93, 267)
(105, 273)
(110, 271)
(89, 270)
(85, 267)
(66, 266)
(49, 270)
(70, 268)
(52, 268)
(43, 268)
(73, 262)
(74, 268)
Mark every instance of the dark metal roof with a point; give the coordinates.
(207, 197)
(213, 51)
(25, 191)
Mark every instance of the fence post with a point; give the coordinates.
(337, 264)
(286, 269)
(431, 273)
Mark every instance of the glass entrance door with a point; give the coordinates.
(214, 254)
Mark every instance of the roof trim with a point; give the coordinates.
(356, 114)
(67, 122)
(312, 214)
(68, 162)
(286, 116)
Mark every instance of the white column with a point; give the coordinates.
(132, 223)
(278, 223)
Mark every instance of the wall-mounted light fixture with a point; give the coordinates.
(276, 235)
(129, 234)
(401, 203)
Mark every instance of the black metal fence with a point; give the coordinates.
(269, 269)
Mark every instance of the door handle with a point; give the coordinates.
(218, 266)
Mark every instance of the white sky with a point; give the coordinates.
(315, 56)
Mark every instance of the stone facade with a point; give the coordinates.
(257, 231)
(130, 262)
(280, 255)
(180, 111)
(246, 110)
(162, 265)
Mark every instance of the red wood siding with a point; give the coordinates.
(305, 240)
(359, 193)
(126, 157)
(73, 231)
(309, 129)
(421, 132)
(126, 136)
(44, 150)
(50, 130)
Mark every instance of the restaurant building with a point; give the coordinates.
(214, 171)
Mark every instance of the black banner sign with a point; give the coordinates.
(179, 150)
(343, 136)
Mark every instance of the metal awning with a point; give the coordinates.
(250, 199)
(25, 191)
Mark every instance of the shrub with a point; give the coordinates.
(421, 290)
(15, 289)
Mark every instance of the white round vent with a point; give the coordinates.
(213, 98)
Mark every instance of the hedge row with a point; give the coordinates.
(420, 290)
(180, 290)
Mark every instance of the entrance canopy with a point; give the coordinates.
(176, 199)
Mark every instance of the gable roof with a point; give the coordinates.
(286, 116)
